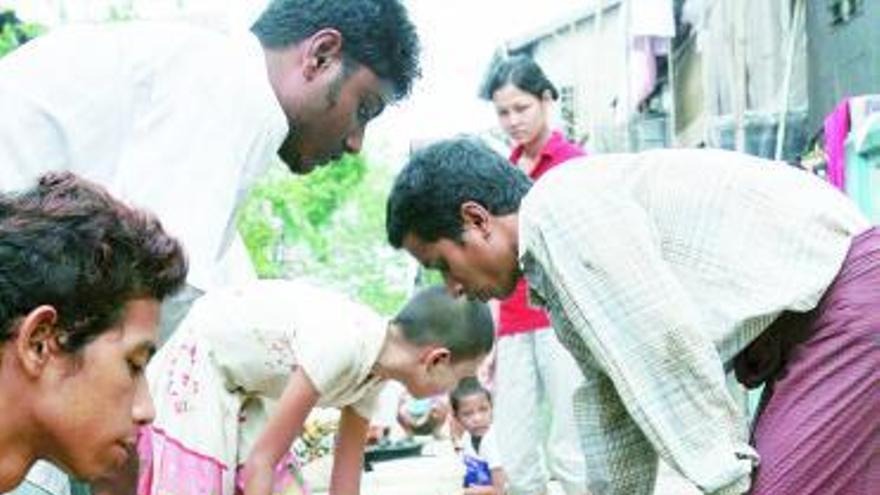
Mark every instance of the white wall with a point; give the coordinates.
(594, 63)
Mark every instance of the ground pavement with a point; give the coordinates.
(438, 471)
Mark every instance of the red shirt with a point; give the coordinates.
(515, 313)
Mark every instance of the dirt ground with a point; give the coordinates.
(438, 471)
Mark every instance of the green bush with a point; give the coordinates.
(328, 226)
(285, 209)
(13, 33)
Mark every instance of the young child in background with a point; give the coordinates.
(472, 408)
(235, 383)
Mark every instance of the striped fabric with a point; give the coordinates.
(819, 433)
(657, 269)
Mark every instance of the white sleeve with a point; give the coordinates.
(261, 332)
(489, 450)
(61, 107)
(327, 363)
(331, 339)
(368, 405)
(30, 141)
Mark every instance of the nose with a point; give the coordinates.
(515, 119)
(142, 410)
(507, 123)
(355, 140)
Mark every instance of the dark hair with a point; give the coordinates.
(466, 387)
(438, 179)
(463, 326)
(67, 243)
(520, 71)
(375, 33)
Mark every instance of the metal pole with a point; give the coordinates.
(670, 77)
(626, 96)
(738, 19)
(794, 30)
(594, 73)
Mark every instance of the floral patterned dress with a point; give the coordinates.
(215, 382)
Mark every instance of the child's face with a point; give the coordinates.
(475, 413)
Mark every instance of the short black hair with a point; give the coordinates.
(375, 33)
(67, 243)
(463, 326)
(429, 191)
(467, 387)
(520, 71)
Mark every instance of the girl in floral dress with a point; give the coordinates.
(234, 385)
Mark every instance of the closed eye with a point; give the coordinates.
(137, 359)
(135, 368)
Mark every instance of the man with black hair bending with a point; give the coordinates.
(660, 271)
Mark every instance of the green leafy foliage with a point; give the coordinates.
(14, 33)
(121, 13)
(329, 227)
(287, 209)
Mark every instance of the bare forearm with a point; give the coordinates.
(283, 427)
(348, 458)
(257, 476)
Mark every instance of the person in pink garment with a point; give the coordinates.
(535, 377)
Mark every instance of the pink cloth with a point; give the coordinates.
(182, 471)
(836, 130)
(185, 472)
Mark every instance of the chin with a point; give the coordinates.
(307, 166)
(504, 292)
(296, 164)
(300, 168)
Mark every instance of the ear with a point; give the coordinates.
(547, 96)
(474, 215)
(322, 50)
(36, 339)
(437, 356)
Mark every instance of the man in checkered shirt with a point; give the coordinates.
(661, 271)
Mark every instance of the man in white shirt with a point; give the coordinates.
(661, 270)
(181, 120)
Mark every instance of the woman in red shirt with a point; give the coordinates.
(535, 377)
